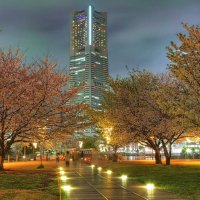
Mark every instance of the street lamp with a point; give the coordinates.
(34, 147)
(35, 144)
(80, 144)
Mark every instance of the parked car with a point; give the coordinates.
(61, 157)
(88, 159)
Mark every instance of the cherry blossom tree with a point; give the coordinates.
(33, 97)
(185, 67)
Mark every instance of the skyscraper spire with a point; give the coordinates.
(90, 27)
(89, 55)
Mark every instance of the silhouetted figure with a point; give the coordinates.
(82, 154)
(67, 157)
(57, 157)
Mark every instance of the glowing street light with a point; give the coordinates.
(109, 172)
(80, 144)
(92, 166)
(35, 145)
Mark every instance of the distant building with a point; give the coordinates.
(89, 55)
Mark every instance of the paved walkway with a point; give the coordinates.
(90, 184)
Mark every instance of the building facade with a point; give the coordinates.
(89, 55)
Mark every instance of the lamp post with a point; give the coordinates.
(80, 144)
(24, 156)
(34, 147)
(42, 130)
(41, 154)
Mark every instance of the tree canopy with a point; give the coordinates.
(185, 67)
(33, 98)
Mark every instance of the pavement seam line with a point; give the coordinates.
(92, 186)
(125, 188)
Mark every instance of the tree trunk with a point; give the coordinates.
(168, 160)
(16, 156)
(168, 156)
(1, 160)
(115, 155)
(158, 156)
(167, 153)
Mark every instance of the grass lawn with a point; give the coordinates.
(29, 183)
(181, 180)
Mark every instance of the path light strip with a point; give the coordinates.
(99, 168)
(150, 187)
(66, 188)
(124, 177)
(62, 172)
(63, 178)
(109, 172)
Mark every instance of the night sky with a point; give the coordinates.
(138, 30)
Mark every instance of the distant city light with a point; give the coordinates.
(189, 150)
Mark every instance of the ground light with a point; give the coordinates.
(109, 172)
(99, 168)
(124, 177)
(66, 188)
(62, 172)
(150, 187)
(63, 178)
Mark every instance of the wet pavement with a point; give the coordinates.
(88, 183)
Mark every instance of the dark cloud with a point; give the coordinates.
(139, 30)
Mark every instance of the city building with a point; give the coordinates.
(89, 55)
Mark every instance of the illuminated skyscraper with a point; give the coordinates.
(89, 55)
